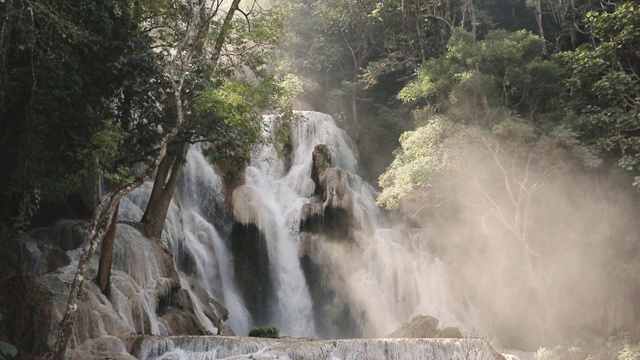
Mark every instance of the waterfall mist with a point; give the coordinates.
(559, 271)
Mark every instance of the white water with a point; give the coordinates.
(189, 230)
(202, 239)
(384, 276)
(203, 348)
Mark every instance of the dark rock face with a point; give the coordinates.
(331, 209)
(321, 161)
(332, 315)
(27, 306)
(251, 266)
(66, 235)
(316, 219)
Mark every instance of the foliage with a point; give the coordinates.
(423, 155)
(65, 68)
(549, 354)
(605, 85)
(629, 353)
(265, 332)
(504, 69)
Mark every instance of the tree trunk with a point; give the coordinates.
(164, 187)
(539, 21)
(95, 233)
(106, 255)
(474, 19)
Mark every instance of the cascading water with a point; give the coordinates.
(382, 277)
(202, 189)
(201, 255)
(364, 281)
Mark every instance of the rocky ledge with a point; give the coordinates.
(217, 347)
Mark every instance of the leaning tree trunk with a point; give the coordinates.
(100, 224)
(164, 187)
(106, 255)
(96, 232)
(98, 227)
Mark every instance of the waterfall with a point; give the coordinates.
(367, 283)
(202, 189)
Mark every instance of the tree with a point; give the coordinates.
(48, 118)
(218, 48)
(503, 70)
(605, 84)
(183, 37)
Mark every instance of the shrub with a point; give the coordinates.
(549, 354)
(629, 353)
(265, 332)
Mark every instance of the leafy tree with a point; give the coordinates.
(605, 85)
(225, 103)
(492, 144)
(71, 75)
(193, 62)
(503, 70)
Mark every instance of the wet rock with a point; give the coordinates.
(331, 210)
(322, 161)
(252, 268)
(317, 219)
(212, 309)
(65, 234)
(337, 190)
(182, 322)
(104, 347)
(425, 326)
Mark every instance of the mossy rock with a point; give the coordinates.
(265, 332)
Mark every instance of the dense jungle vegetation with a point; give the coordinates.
(519, 119)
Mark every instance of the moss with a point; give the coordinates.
(265, 332)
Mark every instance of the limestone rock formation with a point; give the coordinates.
(147, 347)
(331, 209)
(247, 205)
(146, 294)
(322, 161)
